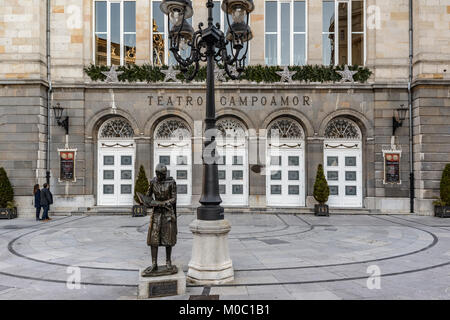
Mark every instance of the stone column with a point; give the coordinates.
(91, 166)
(256, 48)
(197, 164)
(314, 32)
(143, 152)
(313, 157)
(256, 170)
(143, 27)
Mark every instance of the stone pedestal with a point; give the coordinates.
(210, 262)
(162, 286)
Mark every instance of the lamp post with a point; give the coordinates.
(210, 262)
(398, 118)
(58, 110)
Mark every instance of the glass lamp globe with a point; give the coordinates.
(185, 34)
(176, 17)
(238, 8)
(175, 8)
(238, 14)
(241, 33)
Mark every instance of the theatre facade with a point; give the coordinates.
(272, 135)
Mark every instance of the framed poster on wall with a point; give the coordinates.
(67, 160)
(392, 167)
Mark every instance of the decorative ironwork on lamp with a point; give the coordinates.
(182, 36)
(58, 111)
(399, 117)
(212, 46)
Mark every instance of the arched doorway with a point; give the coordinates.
(233, 162)
(343, 162)
(116, 158)
(285, 175)
(173, 147)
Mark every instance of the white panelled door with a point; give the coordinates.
(115, 163)
(285, 163)
(343, 171)
(285, 177)
(173, 148)
(116, 173)
(179, 166)
(343, 163)
(233, 162)
(233, 175)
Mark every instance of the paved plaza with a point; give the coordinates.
(274, 256)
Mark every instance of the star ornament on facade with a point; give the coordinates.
(233, 71)
(170, 74)
(111, 75)
(347, 74)
(219, 74)
(286, 75)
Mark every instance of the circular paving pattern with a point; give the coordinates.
(267, 250)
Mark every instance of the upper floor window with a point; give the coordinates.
(115, 32)
(347, 45)
(161, 54)
(285, 32)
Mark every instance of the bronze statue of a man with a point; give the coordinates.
(162, 194)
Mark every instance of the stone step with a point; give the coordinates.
(104, 211)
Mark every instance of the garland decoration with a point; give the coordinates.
(253, 73)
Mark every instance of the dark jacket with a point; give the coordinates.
(46, 197)
(37, 199)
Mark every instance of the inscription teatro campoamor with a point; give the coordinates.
(231, 101)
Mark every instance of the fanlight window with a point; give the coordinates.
(116, 128)
(285, 128)
(172, 129)
(230, 128)
(342, 129)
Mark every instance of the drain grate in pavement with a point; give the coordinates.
(211, 297)
(11, 227)
(273, 241)
(2, 288)
(247, 239)
(205, 295)
(47, 232)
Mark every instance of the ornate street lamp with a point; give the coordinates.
(210, 261)
(397, 120)
(58, 110)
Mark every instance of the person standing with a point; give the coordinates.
(46, 201)
(37, 201)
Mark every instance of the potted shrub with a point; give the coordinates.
(8, 209)
(141, 186)
(442, 205)
(321, 193)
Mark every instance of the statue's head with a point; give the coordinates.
(161, 171)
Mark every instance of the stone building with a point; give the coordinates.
(116, 127)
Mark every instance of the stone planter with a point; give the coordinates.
(139, 211)
(321, 210)
(6, 213)
(442, 211)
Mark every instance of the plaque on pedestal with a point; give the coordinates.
(162, 286)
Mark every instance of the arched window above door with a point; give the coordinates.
(231, 128)
(172, 128)
(342, 128)
(116, 128)
(285, 128)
